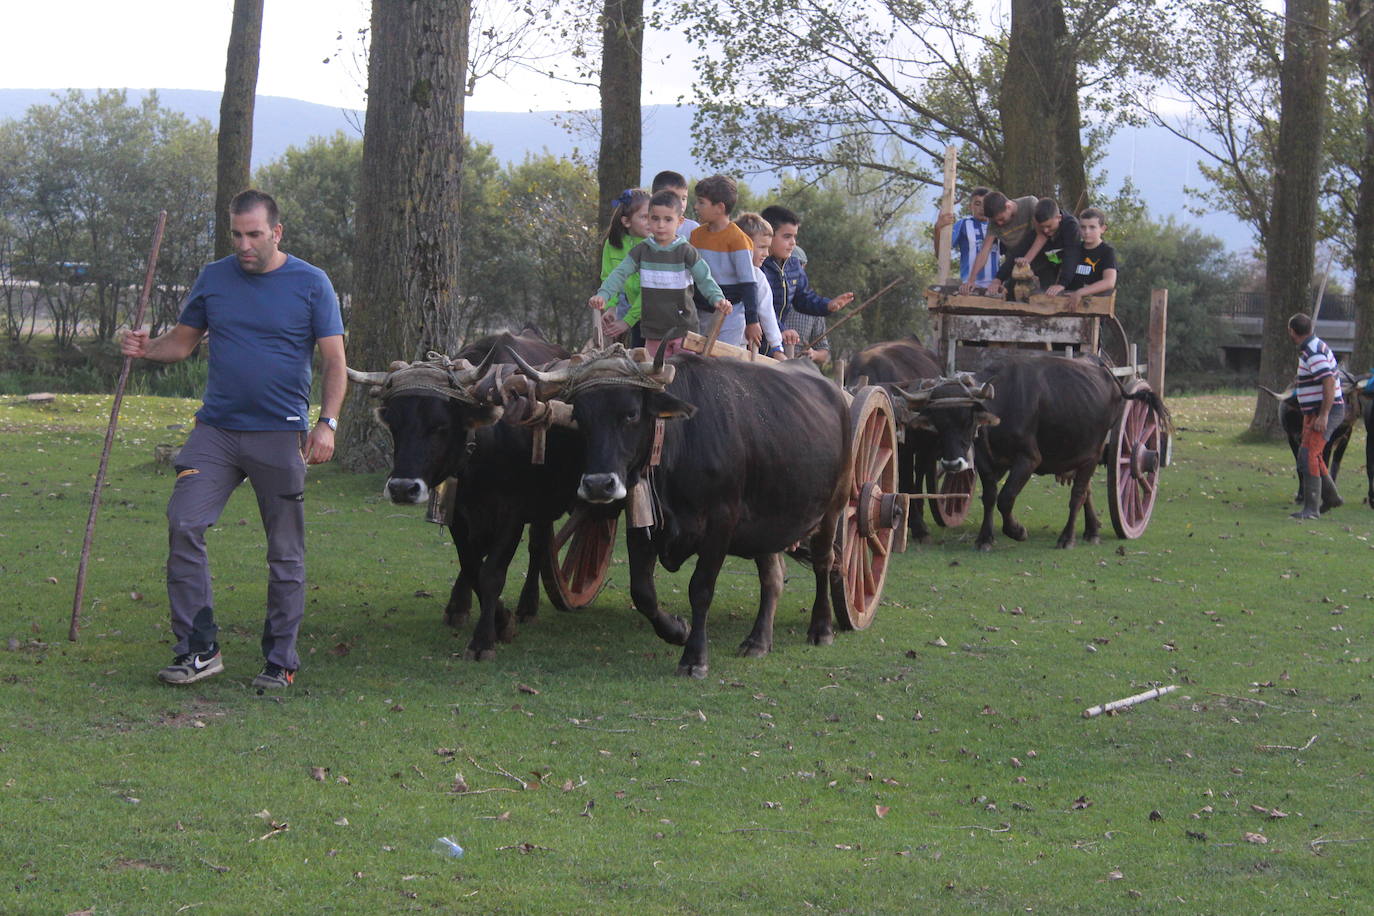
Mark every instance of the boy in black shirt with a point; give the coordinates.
(1054, 255)
(1096, 272)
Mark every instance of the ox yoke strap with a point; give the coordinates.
(421, 389)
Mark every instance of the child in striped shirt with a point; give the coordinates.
(668, 268)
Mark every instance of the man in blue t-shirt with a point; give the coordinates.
(967, 237)
(266, 312)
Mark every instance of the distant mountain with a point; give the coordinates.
(1158, 163)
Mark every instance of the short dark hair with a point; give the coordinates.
(778, 215)
(979, 191)
(719, 189)
(252, 198)
(1301, 323)
(668, 179)
(666, 198)
(1046, 209)
(1092, 213)
(994, 204)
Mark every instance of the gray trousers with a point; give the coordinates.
(210, 467)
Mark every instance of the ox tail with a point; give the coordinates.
(1155, 403)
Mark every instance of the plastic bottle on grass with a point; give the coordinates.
(446, 847)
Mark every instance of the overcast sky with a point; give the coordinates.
(180, 44)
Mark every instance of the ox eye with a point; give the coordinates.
(630, 418)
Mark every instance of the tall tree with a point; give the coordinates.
(622, 66)
(236, 114)
(406, 299)
(1291, 250)
(1360, 13)
(1041, 122)
(880, 87)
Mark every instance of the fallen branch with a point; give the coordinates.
(768, 830)
(1315, 845)
(1128, 701)
(1286, 747)
(499, 771)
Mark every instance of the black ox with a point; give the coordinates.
(441, 428)
(1055, 417)
(754, 459)
(933, 439)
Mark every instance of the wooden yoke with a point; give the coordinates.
(946, 235)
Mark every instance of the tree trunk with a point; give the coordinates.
(406, 300)
(1297, 170)
(1361, 12)
(236, 115)
(622, 64)
(1042, 147)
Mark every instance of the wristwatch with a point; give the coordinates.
(330, 422)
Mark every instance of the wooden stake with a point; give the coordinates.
(947, 206)
(852, 312)
(1129, 701)
(715, 332)
(110, 431)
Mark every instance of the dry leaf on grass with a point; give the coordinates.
(319, 773)
(526, 688)
(1257, 838)
(881, 810)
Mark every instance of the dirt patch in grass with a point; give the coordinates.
(138, 865)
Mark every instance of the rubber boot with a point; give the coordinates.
(1311, 498)
(1330, 498)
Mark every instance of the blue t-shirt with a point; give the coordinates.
(263, 329)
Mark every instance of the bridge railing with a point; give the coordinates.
(1335, 306)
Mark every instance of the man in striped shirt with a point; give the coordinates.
(1319, 398)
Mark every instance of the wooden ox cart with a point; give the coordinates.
(969, 331)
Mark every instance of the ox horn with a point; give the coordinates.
(554, 377)
(985, 392)
(366, 378)
(1287, 393)
(915, 398)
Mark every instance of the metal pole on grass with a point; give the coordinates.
(110, 430)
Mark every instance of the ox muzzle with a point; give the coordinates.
(601, 488)
(406, 490)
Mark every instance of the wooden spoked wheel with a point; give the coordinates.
(578, 557)
(1134, 457)
(864, 535)
(950, 513)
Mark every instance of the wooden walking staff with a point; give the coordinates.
(852, 312)
(947, 206)
(110, 430)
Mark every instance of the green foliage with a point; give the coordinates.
(848, 251)
(316, 188)
(86, 177)
(1193, 266)
(934, 763)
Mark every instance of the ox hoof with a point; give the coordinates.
(676, 631)
(479, 655)
(696, 671)
(751, 649)
(1015, 532)
(1066, 544)
(824, 638)
(1092, 539)
(527, 615)
(921, 538)
(454, 618)
(983, 546)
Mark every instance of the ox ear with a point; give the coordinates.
(984, 417)
(666, 407)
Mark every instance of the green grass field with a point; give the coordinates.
(936, 762)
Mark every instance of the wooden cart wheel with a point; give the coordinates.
(950, 513)
(578, 557)
(1134, 454)
(864, 535)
